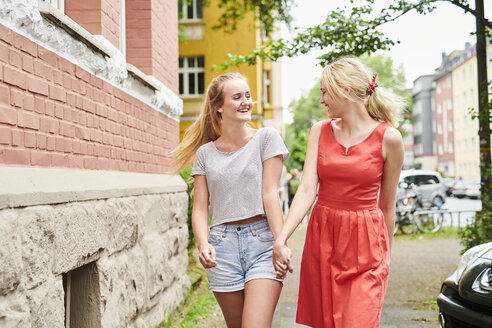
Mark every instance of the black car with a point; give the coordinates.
(465, 300)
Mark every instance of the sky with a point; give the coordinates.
(422, 38)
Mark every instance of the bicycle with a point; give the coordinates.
(410, 214)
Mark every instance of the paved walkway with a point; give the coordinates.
(417, 269)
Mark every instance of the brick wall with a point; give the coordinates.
(55, 114)
(100, 17)
(152, 39)
(165, 50)
(138, 35)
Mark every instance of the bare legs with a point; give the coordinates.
(252, 307)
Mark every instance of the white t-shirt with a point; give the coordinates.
(234, 179)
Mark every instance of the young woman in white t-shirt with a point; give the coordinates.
(237, 171)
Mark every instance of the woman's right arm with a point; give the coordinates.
(303, 200)
(199, 221)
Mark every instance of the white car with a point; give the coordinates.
(473, 190)
(428, 183)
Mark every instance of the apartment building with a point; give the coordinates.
(205, 47)
(465, 98)
(424, 131)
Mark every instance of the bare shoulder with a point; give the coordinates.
(393, 144)
(316, 128)
(392, 138)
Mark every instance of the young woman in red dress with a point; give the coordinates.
(353, 163)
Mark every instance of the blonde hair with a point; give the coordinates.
(350, 73)
(208, 125)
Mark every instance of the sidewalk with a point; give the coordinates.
(285, 314)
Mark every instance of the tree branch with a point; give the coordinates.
(467, 8)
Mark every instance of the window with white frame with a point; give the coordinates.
(450, 104)
(58, 4)
(191, 10)
(440, 150)
(191, 76)
(439, 128)
(439, 108)
(450, 125)
(450, 147)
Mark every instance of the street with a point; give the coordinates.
(466, 206)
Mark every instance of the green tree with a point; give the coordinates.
(306, 111)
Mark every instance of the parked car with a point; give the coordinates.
(428, 183)
(465, 300)
(461, 187)
(473, 190)
(449, 183)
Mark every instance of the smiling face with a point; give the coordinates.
(332, 105)
(237, 102)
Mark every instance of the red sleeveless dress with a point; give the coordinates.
(345, 263)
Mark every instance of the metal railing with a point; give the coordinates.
(446, 212)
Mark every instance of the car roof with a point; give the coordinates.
(406, 173)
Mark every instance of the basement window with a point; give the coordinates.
(82, 297)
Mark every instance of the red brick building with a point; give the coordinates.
(444, 124)
(94, 225)
(57, 111)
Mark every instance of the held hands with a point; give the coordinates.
(206, 254)
(281, 260)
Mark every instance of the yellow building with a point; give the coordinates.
(205, 47)
(465, 98)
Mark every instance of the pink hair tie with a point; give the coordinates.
(373, 85)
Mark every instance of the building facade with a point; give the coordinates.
(467, 160)
(206, 46)
(94, 226)
(444, 124)
(424, 122)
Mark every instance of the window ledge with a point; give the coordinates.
(72, 27)
(194, 97)
(192, 22)
(150, 81)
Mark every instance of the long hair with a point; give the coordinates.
(208, 125)
(350, 73)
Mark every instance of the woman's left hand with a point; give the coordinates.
(281, 260)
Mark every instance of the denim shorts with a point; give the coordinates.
(243, 252)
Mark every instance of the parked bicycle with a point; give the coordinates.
(408, 218)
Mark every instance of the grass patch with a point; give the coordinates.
(429, 304)
(200, 304)
(423, 319)
(443, 233)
